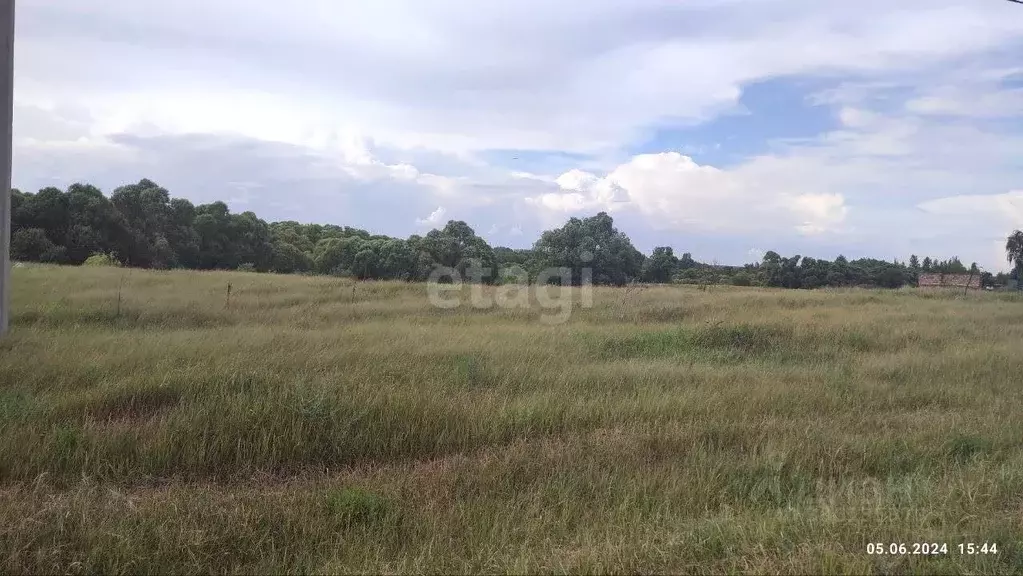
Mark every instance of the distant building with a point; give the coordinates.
(940, 281)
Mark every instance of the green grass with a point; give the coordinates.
(307, 426)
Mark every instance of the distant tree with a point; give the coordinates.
(32, 245)
(951, 266)
(987, 279)
(365, 264)
(1014, 250)
(212, 225)
(47, 211)
(781, 272)
(815, 273)
(592, 243)
(660, 266)
(93, 223)
(741, 279)
(288, 258)
(891, 277)
(141, 225)
(457, 246)
(336, 255)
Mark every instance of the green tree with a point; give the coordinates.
(364, 264)
(48, 211)
(251, 240)
(32, 245)
(660, 266)
(1014, 251)
(146, 213)
(592, 244)
(212, 225)
(741, 279)
(288, 258)
(93, 222)
(814, 272)
(336, 255)
(395, 259)
(457, 246)
(143, 226)
(181, 233)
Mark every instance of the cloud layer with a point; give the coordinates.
(385, 114)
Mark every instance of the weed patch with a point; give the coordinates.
(354, 507)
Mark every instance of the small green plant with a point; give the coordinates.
(963, 447)
(354, 507)
(102, 259)
(472, 371)
(247, 267)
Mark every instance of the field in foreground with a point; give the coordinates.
(313, 425)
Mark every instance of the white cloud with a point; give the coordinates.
(819, 212)
(436, 218)
(577, 180)
(674, 192)
(571, 202)
(968, 102)
(1002, 210)
(455, 75)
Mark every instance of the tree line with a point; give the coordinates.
(141, 225)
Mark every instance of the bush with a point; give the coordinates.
(101, 259)
(247, 267)
(741, 279)
(341, 272)
(513, 276)
(32, 245)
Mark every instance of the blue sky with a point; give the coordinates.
(720, 127)
(767, 111)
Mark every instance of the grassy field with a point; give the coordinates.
(315, 425)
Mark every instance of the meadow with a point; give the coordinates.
(151, 424)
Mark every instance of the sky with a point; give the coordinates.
(724, 128)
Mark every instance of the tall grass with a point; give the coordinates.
(316, 425)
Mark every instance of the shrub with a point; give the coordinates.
(741, 279)
(32, 245)
(101, 259)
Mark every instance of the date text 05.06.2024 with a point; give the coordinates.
(930, 548)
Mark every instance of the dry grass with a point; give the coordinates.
(310, 428)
